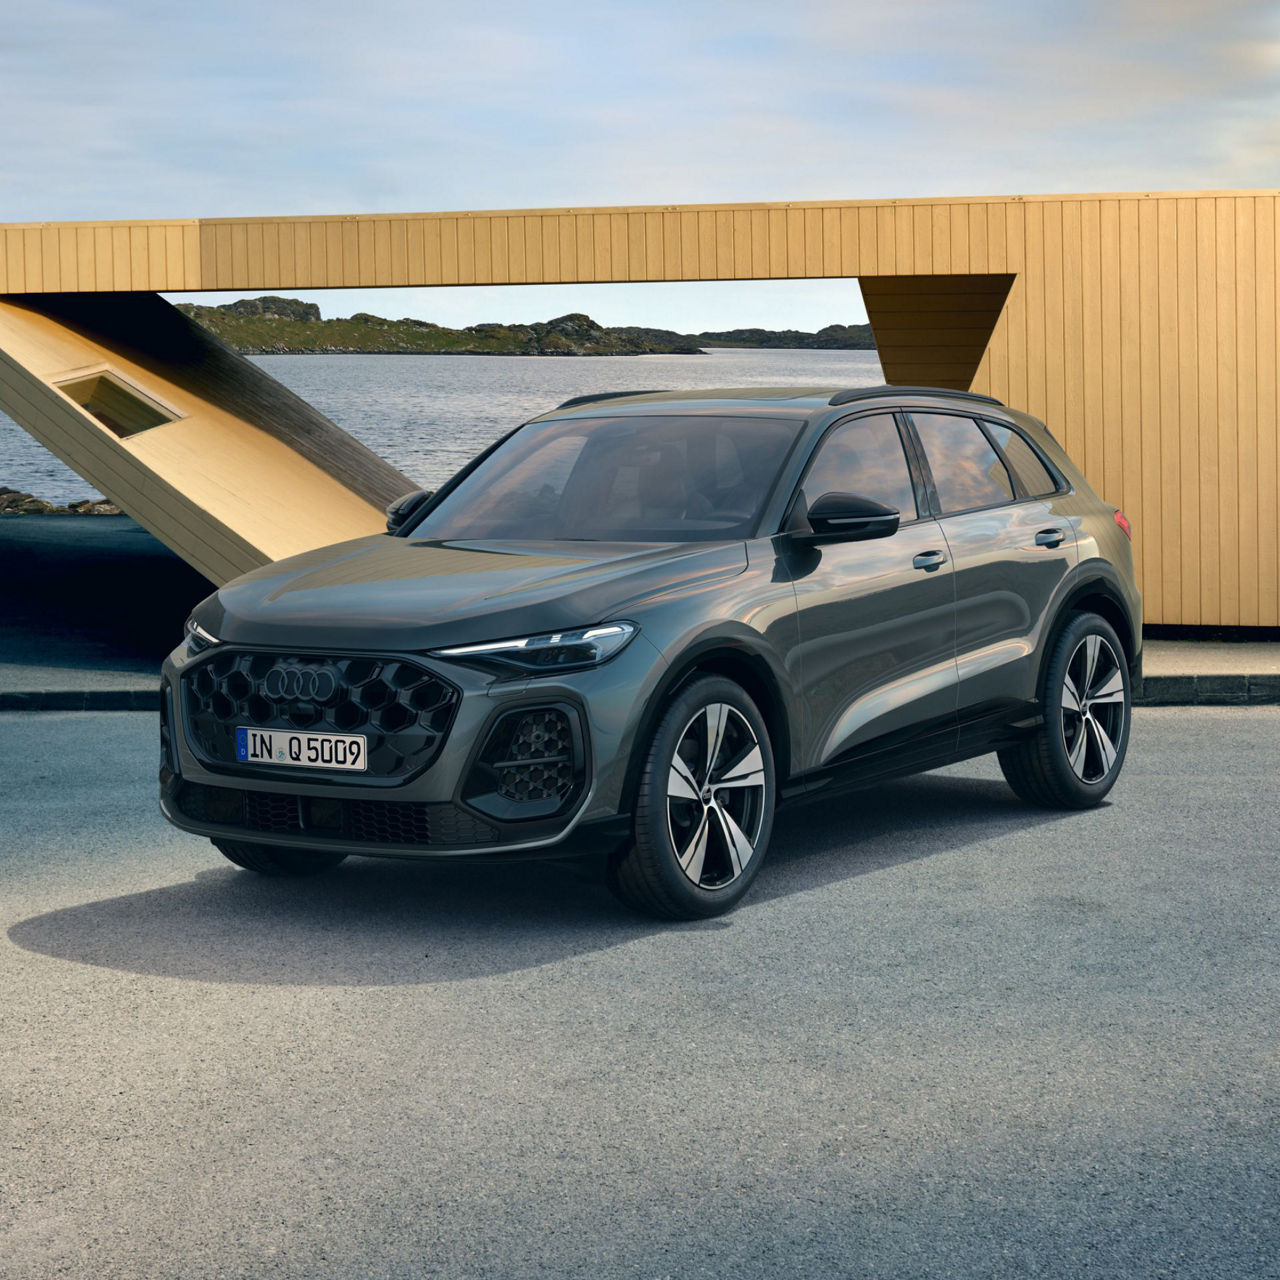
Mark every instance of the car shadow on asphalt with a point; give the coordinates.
(376, 922)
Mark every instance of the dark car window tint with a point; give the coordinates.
(624, 479)
(864, 457)
(967, 472)
(1023, 461)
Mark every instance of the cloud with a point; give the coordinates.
(132, 108)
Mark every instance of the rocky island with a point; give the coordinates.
(289, 326)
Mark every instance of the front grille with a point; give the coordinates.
(365, 821)
(402, 709)
(266, 811)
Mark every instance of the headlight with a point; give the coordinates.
(198, 639)
(544, 654)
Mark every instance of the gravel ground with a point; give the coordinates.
(946, 1036)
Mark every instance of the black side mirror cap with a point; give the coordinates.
(852, 518)
(402, 510)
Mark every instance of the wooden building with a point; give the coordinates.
(1141, 327)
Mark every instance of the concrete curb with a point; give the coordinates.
(1208, 691)
(81, 700)
(1154, 691)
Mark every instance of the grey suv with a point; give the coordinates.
(636, 624)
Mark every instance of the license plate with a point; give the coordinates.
(303, 750)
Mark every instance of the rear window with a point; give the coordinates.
(623, 479)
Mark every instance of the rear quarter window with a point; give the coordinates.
(1032, 475)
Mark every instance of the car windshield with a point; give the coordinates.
(621, 479)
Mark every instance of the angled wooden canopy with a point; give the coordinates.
(1141, 326)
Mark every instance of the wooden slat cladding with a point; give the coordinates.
(1142, 327)
(1144, 330)
(934, 330)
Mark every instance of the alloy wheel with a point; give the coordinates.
(716, 796)
(1094, 709)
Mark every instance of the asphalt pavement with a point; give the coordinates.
(947, 1035)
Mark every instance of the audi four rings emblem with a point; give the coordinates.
(300, 684)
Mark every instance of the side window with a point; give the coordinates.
(865, 457)
(967, 471)
(1023, 461)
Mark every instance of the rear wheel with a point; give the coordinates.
(275, 860)
(704, 809)
(1076, 755)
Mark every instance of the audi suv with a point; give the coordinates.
(638, 623)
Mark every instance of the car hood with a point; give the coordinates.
(391, 593)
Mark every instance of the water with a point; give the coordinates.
(428, 415)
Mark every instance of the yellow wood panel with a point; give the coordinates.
(32, 261)
(121, 268)
(158, 506)
(602, 246)
(398, 236)
(1088, 405)
(1266, 299)
(920, 218)
(1015, 317)
(1114, 337)
(382, 251)
(466, 251)
(1246, 415)
(556, 241)
(415, 250)
(1169, 510)
(208, 483)
(1189, 410)
(1227, 409)
(1033, 282)
(654, 246)
(1207, 361)
(724, 254)
(1074, 294)
(1139, 242)
(632, 228)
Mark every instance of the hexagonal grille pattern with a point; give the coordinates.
(402, 709)
(375, 822)
(531, 755)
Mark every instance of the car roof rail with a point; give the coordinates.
(608, 395)
(867, 393)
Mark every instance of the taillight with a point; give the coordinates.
(1123, 521)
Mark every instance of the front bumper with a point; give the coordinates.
(458, 804)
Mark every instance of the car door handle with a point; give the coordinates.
(1050, 538)
(929, 560)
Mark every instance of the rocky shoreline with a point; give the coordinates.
(13, 502)
(273, 325)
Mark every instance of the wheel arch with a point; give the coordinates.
(1096, 593)
(1103, 598)
(746, 668)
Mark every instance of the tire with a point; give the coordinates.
(698, 846)
(1074, 758)
(274, 860)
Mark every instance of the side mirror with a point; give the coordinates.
(852, 518)
(402, 510)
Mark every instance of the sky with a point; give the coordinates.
(137, 109)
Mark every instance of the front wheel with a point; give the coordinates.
(704, 808)
(1075, 757)
(275, 860)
